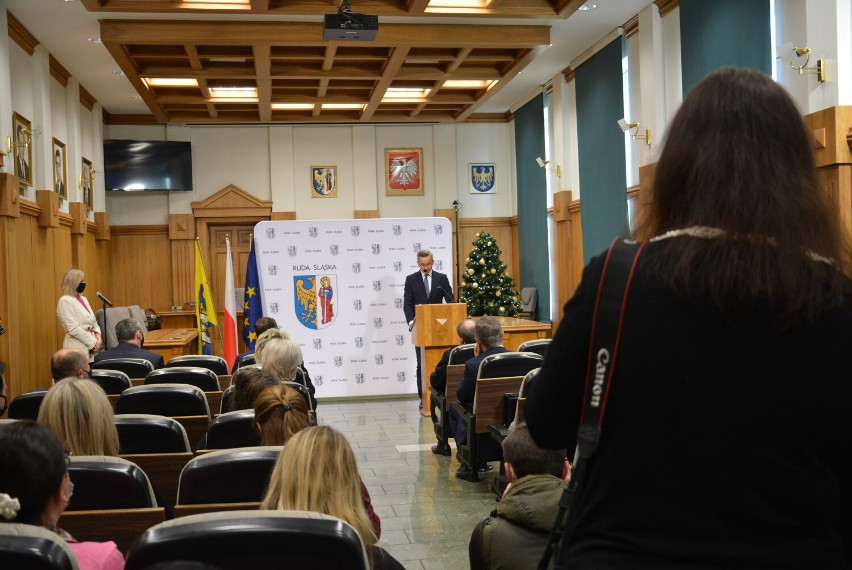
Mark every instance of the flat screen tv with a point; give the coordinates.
(147, 165)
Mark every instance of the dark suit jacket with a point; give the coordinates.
(128, 350)
(438, 379)
(415, 292)
(467, 388)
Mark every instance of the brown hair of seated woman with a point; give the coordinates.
(279, 413)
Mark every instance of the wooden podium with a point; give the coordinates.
(434, 332)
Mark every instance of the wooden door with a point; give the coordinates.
(240, 236)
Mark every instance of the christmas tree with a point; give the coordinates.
(485, 286)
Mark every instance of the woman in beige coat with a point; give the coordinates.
(76, 315)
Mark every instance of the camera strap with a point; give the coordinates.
(605, 339)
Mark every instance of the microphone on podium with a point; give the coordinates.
(106, 301)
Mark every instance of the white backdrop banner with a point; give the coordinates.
(336, 287)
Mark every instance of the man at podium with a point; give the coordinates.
(424, 287)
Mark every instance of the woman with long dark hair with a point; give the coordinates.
(727, 438)
(35, 489)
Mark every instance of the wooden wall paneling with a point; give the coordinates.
(183, 273)
(287, 216)
(102, 223)
(830, 128)
(563, 252)
(10, 212)
(10, 310)
(182, 236)
(48, 201)
(141, 266)
(576, 244)
(515, 268)
(449, 213)
(358, 215)
(500, 228)
(645, 199)
(9, 194)
(837, 181)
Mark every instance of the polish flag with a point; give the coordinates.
(229, 327)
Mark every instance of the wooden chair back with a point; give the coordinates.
(163, 469)
(488, 401)
(119, 525)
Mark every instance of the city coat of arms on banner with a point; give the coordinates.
(482, 179)
(315, 299)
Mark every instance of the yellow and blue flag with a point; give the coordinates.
(252, 304)
(205, 311)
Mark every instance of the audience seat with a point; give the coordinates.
(538, 346)
(170, 400)
(229, 476)
(252, 539)
(115, 314)
(458, 355)
(34, 548)
(26, 406)
(133, 367)
(112, 381)
(227, 398)
(233, 429)
(102, 482)
(216, 364)
(193, 375)
(148, 433)
(529, 300)
(498, 375)
(248, 360)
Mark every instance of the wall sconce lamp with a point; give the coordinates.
(91, 176)
(633, 129)
(796, 63)
(543, 164)
(10, 144)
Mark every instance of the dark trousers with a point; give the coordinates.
(417, 378)
(459, 427)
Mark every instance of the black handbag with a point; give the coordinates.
(613, 289)
(152, 321)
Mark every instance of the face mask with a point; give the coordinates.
(81, 287)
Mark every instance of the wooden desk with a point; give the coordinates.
(515, 331)
(172, 342)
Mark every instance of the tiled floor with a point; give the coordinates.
(427, 514)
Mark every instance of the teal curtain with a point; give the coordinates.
(723, 33)
(533, 253)
(603, 166)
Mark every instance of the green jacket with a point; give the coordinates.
(515, 535)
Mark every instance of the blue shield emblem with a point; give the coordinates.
(315, 300)
(482, 177)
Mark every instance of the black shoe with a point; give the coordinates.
(484, 468)
(441, 449)
(466, 474)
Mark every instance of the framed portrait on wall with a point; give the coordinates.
(57, 156)
(404, 171)
(323, 182)
(22, 131)
(86, 183)
(482, 178)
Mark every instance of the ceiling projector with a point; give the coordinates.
(346, 25)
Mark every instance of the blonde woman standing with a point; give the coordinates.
(76, 315)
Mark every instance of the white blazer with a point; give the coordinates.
(79, 323)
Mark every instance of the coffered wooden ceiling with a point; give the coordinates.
(409, 73)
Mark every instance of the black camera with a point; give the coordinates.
(2, 330)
